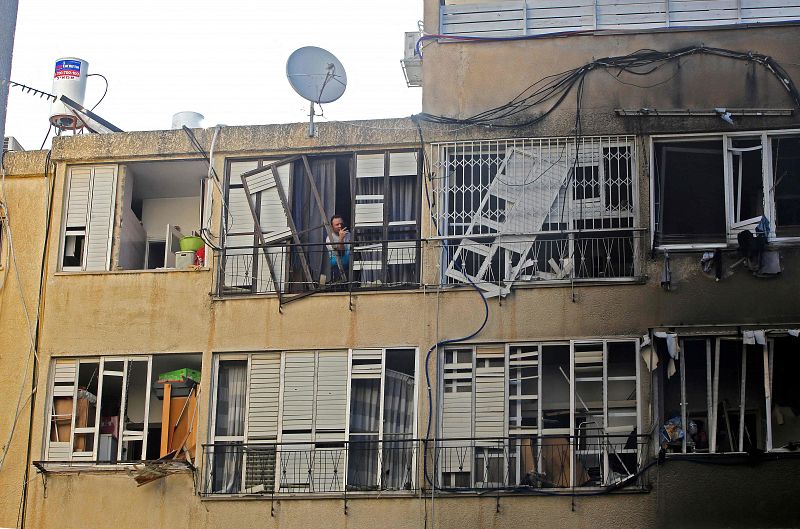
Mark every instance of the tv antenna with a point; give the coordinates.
(318, 76)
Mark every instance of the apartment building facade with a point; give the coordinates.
(543, 296)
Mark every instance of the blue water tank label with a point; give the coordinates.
(68, 69)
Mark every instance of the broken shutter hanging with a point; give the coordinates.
(273, 222)
(101, 218)
(527, 185)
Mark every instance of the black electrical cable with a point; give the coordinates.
(553, 89)
(45, 140)
(436, 347)
(104, 91)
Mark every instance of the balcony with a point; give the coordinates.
(307, 268)
(523, 18)
(527, 463)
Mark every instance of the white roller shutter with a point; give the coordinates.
(78, 200)
(298, 394)
(331, 409)
(490, 392)
(101, 218)
(264, 391)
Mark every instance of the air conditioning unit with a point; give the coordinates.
(10, 143)
(412, 61)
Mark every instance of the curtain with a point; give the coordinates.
(231, 391)
(362, 465)
(398, 430)
(306, 214)
(402, 207)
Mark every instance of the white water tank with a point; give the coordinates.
(193, 120)
(69, 79)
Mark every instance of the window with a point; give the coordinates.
(377, 196)
(729, 405)
(88, 218)
(161, 203)
(313, 421)
(707, 190)
(122, 409)
(530, 414)
(516, 211)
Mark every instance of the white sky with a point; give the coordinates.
(223, 59)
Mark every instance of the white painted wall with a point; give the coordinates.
(158, 212)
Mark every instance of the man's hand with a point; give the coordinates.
(342, 233)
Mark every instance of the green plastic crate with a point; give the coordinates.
(179, 375)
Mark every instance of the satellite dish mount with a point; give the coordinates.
(317, 76)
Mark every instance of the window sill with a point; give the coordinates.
(123, 272)
(782, 242)
(83, 467)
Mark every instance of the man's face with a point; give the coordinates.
(337, 225)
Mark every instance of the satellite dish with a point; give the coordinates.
(317, 75)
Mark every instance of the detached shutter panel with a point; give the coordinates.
(101, 218)
(262, 413)
(331, 411)
(298, 395)
(490, 392)
(78, 200)
(274, 223)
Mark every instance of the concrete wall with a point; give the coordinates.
(23, 191)
(461, 79)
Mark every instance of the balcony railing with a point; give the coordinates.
(519, 18)
(521, 463)
(307, 268)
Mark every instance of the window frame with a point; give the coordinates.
(213, 439)
(64, 230)
(90, 457)
(731, 225)
(539, 431)
(713, 348)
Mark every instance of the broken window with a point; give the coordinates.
(283, 421)
(707, 191)
(786, 184)
(689, 191)
(718, 393)
(161, 204)
(511, 211)
(289, 220)
(560, 407)
(123, 409)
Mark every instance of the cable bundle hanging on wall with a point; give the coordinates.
(555, 88)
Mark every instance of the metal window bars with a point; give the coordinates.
(493, 200)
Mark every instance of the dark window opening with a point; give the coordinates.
(786, 185)
(690, 192)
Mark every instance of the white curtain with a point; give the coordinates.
(231, 390)
(362, 465)
(398, 430)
